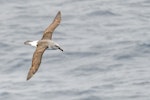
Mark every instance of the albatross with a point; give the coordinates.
(43, 44)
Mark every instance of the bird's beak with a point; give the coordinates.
(60, 49)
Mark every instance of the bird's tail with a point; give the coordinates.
(27, 42)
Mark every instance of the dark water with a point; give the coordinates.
(106, 50)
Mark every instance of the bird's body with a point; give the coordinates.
(43, 44)
(51, 45)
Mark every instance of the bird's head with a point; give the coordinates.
(58, 47)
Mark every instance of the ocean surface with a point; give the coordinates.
(106, 50)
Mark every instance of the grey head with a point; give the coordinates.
(58, 47)
(50, 44)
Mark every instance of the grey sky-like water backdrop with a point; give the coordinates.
(106, 50)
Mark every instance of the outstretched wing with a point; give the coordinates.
(50, 29)
(36, 60)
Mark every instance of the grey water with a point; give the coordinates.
(106, 50)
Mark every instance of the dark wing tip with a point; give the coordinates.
(58, 16)
(50, 29)
(59, 13)
(31, 72)
(28, 78)
(29, 75)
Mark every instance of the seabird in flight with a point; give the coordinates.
(43, 44)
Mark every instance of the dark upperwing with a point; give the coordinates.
(36, 60)
(50, 29)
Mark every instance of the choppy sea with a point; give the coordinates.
(106, 50)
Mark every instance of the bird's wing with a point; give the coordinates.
(36, 60)
(50, 29)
